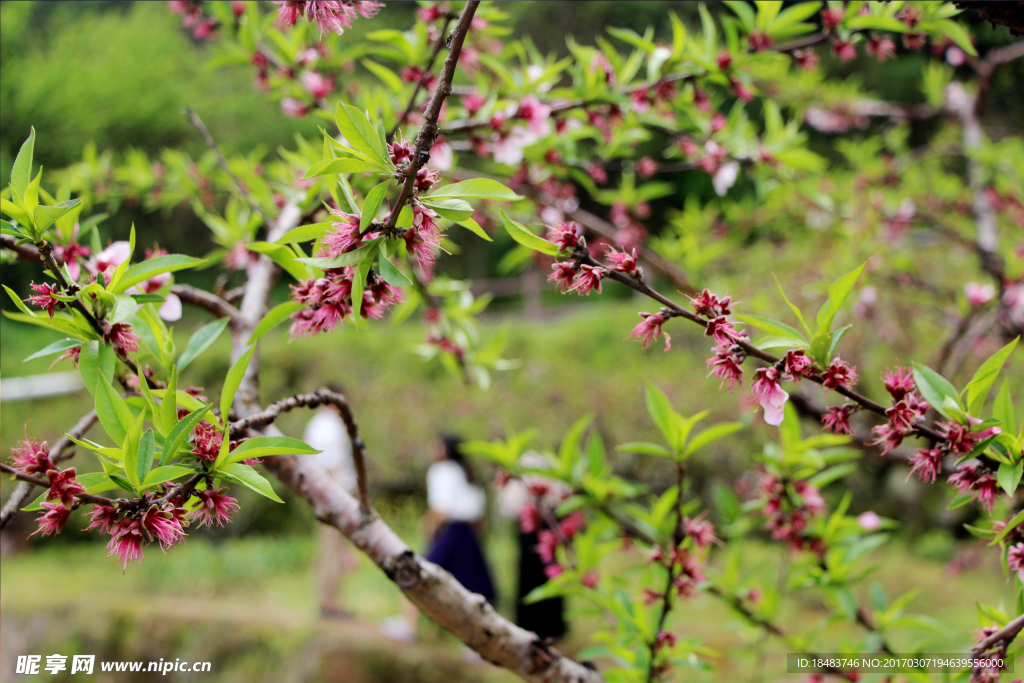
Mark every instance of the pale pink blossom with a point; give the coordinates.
(979, 294)
(869, 521)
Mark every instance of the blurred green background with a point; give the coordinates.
(118, 74)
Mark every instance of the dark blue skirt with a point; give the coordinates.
(457, 549)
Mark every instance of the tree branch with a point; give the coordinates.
(203, 299)
(1005, 635)
(441, 38)
(212, 144)
(24, 251)
(22, 492)
(37, 481)
(428, 133)
(319, 397)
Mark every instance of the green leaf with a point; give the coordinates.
(1010, 526)
(141, 272)
(389, 77)
(644, 448)
(147, 449)
(282, 256)
(131, 444)
(169, 407)
(113, 412)
(247, 476)
(796, 311)
(345, 165)
(55, 347)
(866, 21)
(391, 274)
(124, 307)
(822, 479)
(371, 206)
(660, 409)
(359, 283)
(837, 293)
(770, 326)
(200, 341)
(44, 216)
(957, 33)
(453, 209)
(476, 188)
(1008, 476)
(277, 315)
(711, 434)
(934, 388)
(977, 389)
(526, 238)
(305, 233)
(474, 227)
(349, 258)
(180, 432)
(166, 473)
(96, 359)
(21, 173)
(263, 446)
(1002, 410)
(233, 380)
(360, 133)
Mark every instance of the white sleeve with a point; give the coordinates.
(445, 483)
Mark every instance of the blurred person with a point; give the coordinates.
(456, 506)
(531, 500)
(327, 433)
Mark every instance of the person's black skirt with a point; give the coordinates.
(457, 549)
(547, 617)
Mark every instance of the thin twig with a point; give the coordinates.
(677, 311)
(37, 481)
(313, 400)
(428, 133)
(424, 77)
(24, 251)
(212, 144)
(203, 299)
(1005, 635)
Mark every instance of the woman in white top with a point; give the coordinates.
(456, 505)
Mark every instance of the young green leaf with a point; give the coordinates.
(130, 446)
(141, 272)
(374, 199)
(21, 173)
(282, 256)
(247, 476)
(711, 434)
(770, 326)
(475, 188)
(526, 238)
(233, 380)
(96, 359)
(163, 474)
(55, 347)
(305, 233)
(934, 388)
(179, 433)
(1008, 476)
(263, 446)
(1002, 410)
(981, 383)
(349, 258)
(277, 315)
(113, 412)
(391, 274)
(837, 293)
(796, 311)
(147, 449)
(665, 418)
(169, 407)
(200, 341)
